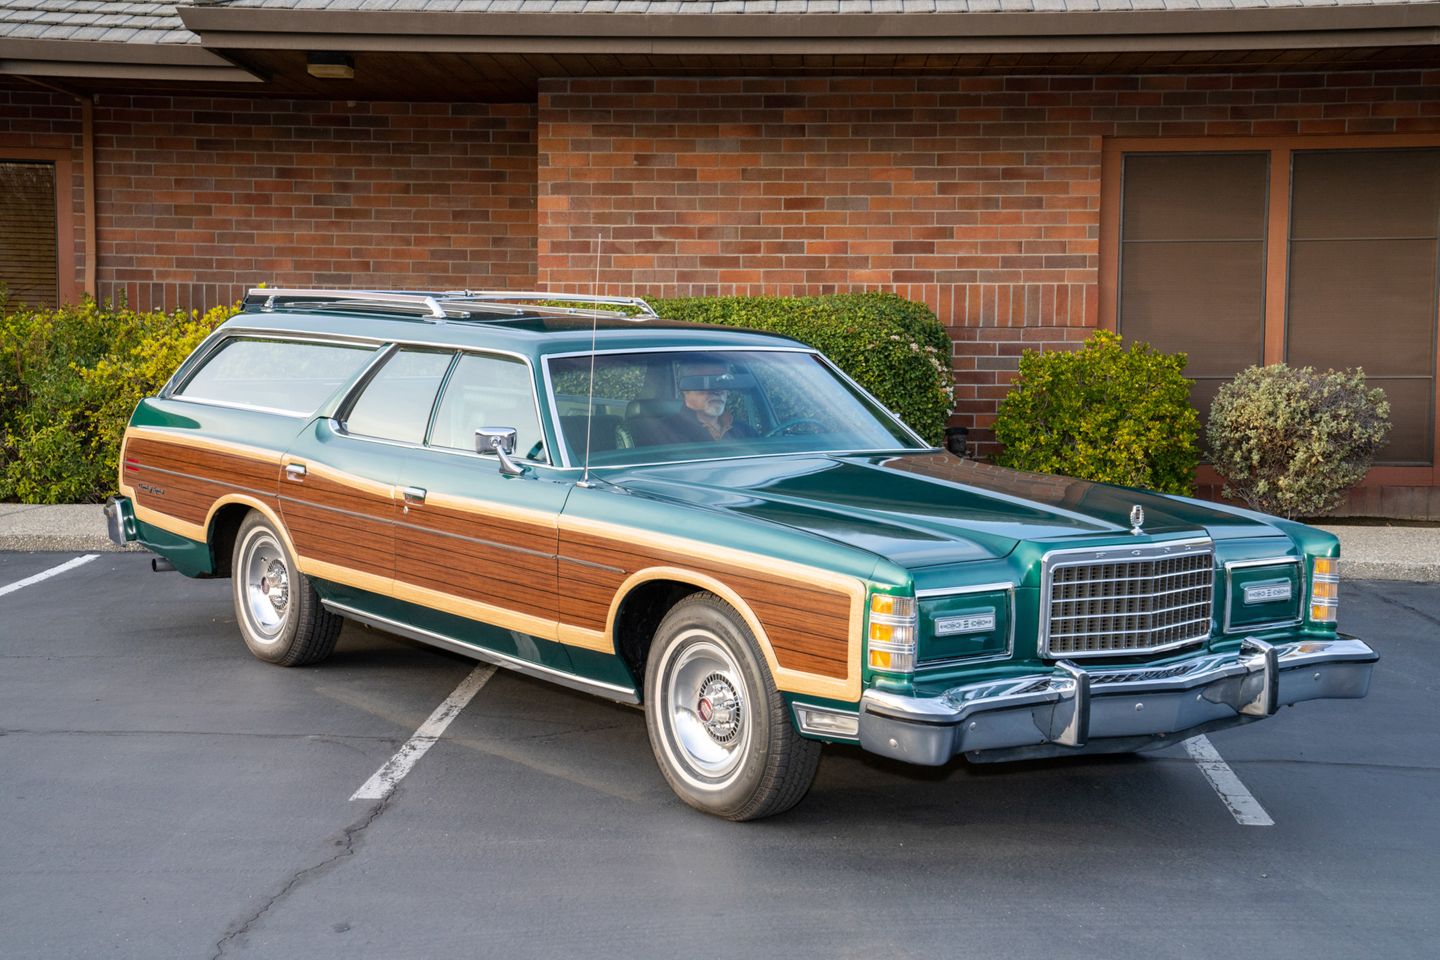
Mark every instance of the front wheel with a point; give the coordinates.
(279, 613)
(719, 728)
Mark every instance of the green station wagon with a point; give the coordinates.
(713, 523)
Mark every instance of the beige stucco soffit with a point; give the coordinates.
(1234, 29)
(121, 61)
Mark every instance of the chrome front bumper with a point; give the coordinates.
(1074, 710)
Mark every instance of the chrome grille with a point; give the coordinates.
(1128, 599)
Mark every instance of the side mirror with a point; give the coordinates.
(501, 442)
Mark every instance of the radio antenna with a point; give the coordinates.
(590, 399)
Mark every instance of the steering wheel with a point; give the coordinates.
(815, 426)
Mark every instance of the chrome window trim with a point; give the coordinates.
(253, 407)
(935, 592)
(1266, 562)
(1054, 559)
(555, 409)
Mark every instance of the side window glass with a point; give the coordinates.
(489, 391)
(288, 375)
(396, 403)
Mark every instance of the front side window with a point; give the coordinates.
(666, 406)
(488, 391)
(396, 403)
(292, 376)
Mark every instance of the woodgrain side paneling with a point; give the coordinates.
(808, 626)
(184, 481)
(230, 468)
(339, 524)
(480, 557)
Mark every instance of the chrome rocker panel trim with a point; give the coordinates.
(1074, 710)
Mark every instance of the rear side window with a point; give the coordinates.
(396, 402)
(291, 376)
(488, 391)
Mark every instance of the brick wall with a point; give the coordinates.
(978, 195)
(201, 198)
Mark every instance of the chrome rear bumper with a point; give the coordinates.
(119, 520)
(1075, 710)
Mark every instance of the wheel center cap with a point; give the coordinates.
(718, 707)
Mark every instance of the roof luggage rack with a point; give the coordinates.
(432, 306)
(511, 296)
(271, 299)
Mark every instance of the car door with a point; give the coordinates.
(472, 543)
(338, 480)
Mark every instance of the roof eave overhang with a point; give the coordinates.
(120, 61)
(772, 34)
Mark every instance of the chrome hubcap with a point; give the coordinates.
(265, 577)
(704, 710)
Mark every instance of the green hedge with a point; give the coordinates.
(893, 347)
(69, 379)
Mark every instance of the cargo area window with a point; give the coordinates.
(286, 376)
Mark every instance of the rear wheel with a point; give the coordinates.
(279, 613)
(718, 726)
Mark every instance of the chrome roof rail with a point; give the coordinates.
(270, 296)
(503, 296)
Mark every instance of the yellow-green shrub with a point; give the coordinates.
(1103, 413)
(71, 378)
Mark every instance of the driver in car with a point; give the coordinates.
(705, 391)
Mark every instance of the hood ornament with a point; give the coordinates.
(1137, 519)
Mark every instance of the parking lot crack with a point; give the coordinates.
(1422, 614)
(347, 842)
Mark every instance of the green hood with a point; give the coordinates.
(927, 508)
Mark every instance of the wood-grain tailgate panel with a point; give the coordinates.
(184, 481)
(808, 626)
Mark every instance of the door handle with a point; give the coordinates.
(414, 494)
(295, 471)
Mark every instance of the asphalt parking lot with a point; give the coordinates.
(163, 794)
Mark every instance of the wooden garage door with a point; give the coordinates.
(29, 267)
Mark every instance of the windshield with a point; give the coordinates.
(668, 406)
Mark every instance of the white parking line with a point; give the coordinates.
(378, 787)
(1242, 805)
(47, 574)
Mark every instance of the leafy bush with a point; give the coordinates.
(1103, 413)
(71, 378)
(1292, 441)
(893, 347)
